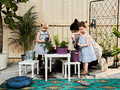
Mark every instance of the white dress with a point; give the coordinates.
(39, 47)
(87, 54)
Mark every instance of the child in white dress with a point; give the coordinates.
(87, 53)
(42, 35)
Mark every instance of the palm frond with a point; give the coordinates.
(26, 30)
(56, 40)
(117, 33)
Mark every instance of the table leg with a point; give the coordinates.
(19, 69)
(32, 70)
(50, 64)
(25, 69)
(68, 68)
(37, 68)
(45, 68)
(78, 70)
(75, 68)
(65, 70)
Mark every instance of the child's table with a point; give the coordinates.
(50, 56)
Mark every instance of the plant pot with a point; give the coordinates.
(3, 60)
(110, 60)
(23, 57)
(103, 64)
(52, 50)
(116, 60)
(60, 50)
(75, 55)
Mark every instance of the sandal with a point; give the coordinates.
(81, 70)
(84, 82)
(84, 72)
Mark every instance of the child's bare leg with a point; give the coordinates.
(83, 66)
(86, 67)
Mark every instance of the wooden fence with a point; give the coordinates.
(58, 13)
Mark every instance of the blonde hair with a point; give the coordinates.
(44, 24)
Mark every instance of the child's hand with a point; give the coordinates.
(41, 41)
(79, 45)
(73, 36)
(50, 40)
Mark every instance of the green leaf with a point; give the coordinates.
(116, 32)
(14, 6)
(7, 20)
(22, 1)
(4, 1)
(56, 40)
(116, 48)
(116, 52)
(10, 14)
(12, 26)
(18, 17)
(64, 44)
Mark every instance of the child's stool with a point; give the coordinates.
(64, 67)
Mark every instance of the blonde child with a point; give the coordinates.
(42, 35)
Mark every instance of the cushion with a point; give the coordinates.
(19, 82)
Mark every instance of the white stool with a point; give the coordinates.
(29, 62)
(65, 63)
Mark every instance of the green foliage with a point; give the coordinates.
(106, 43)
(26, 30)
(116, 49)
(117, 33)
(58, 43)
(48, 45)
(64, 44)
(9, 9)
(56, 40)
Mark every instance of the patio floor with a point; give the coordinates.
(94, 73)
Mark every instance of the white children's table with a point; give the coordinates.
(29, 62)
(50, 56)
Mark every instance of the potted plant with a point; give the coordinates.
(9, 9)
(3, 60)
(116, 48)
(106, 44)
(61, 47)
(49, 46)
(26, 31)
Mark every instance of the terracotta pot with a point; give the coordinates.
(52, 50)
(23, 57)
(116, 60)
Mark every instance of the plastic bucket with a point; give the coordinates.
(30, 55)
(75, 55)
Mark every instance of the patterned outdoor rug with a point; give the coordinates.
(63, 84)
